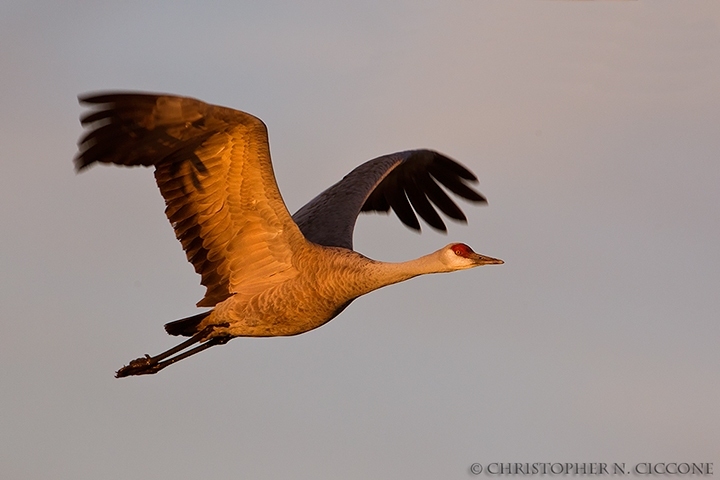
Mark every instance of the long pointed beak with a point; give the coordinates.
(483, 260)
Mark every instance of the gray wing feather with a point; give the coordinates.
(405, 182)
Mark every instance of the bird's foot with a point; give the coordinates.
(140, 366)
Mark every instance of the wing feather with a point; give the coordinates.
(406, 182)
(421, 204)
(212, 165)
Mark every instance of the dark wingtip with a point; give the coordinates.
(80, 165)
(456, 167)
(93, 97)
(101, 96)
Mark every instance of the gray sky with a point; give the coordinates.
(594, 128)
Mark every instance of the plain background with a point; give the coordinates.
(594, 128)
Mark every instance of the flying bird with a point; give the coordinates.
(266, 273)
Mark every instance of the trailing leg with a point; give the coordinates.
(148, 365)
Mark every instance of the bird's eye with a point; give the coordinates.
(461, 249)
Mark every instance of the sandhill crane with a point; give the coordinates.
(266, 273)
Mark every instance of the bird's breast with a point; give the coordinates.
(322, 288)
(288, 309)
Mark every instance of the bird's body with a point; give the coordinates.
(266, 273)
(327, 279)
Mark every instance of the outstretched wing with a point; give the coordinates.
(212, 165)
(402, 181)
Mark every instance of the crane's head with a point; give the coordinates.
(458, 256)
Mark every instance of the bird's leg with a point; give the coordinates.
(210, 343)
(147, 365)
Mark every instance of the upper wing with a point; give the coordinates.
(402, 181)
(212, 165)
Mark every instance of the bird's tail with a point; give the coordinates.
(186, 326)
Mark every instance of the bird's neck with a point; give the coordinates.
(350, 274)
(387, 273)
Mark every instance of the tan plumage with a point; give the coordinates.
(266, 273)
